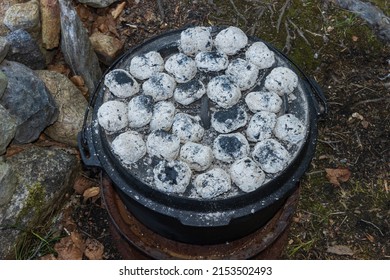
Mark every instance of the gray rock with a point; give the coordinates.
(24, 49)
(44, 175)
(3, 83)
(27, 98)
(7, 129)
(4, 6)
(23, 16)
(98, 3)
(8, 183)
(372, 14)
(76, 47)
(106, 47)
(71, 104)
(51, 23)
(4, 47)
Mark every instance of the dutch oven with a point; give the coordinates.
(187, 219)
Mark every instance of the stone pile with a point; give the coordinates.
(35, 101)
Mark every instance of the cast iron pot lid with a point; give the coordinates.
(236, 135)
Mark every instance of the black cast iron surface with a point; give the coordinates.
(191, 220)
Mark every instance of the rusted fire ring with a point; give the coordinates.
(135, 241)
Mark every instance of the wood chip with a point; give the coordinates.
(93, 249)
(340, 250)
(338, 175)
(118, 10)
(91, 192)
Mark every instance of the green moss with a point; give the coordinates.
(301, 30)
(34, 202)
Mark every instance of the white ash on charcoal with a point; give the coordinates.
(163, 145)
(121, 84)
(163, 114)
(271, 156)
(172, 176)
(247, 174)
(289, 128)
(195, 40)
(187, 128)
(244, 73)
(211, 61)
(145, 65)
(198, 157)
(197, 111)
(261, 126)
(140, 111)
(189, 92)
(129, 147)
(223, 91)
(264, 101)
(112, 116)
(160, 86)
(212, 183)
(260, 55)
(181, 67)
(230, 147)
(281, 80)
(230, 40)
(229, 120)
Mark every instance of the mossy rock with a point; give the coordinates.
(44, 175)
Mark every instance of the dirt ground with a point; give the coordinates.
(344, 208)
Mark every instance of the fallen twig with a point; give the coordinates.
(372, 224)
(282, 11)
(238, 13)
(300, 32)
(161, 9)
(287, 45)
(385, 99)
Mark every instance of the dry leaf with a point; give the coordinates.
(118, 10)
(355, 38)
(93, 249)
(335, 176)
(48, 257)
(91, 192)
(370, 237)
(70, 247)
(78, 81)
(82, 183)
(59, 68)
(341, 250)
